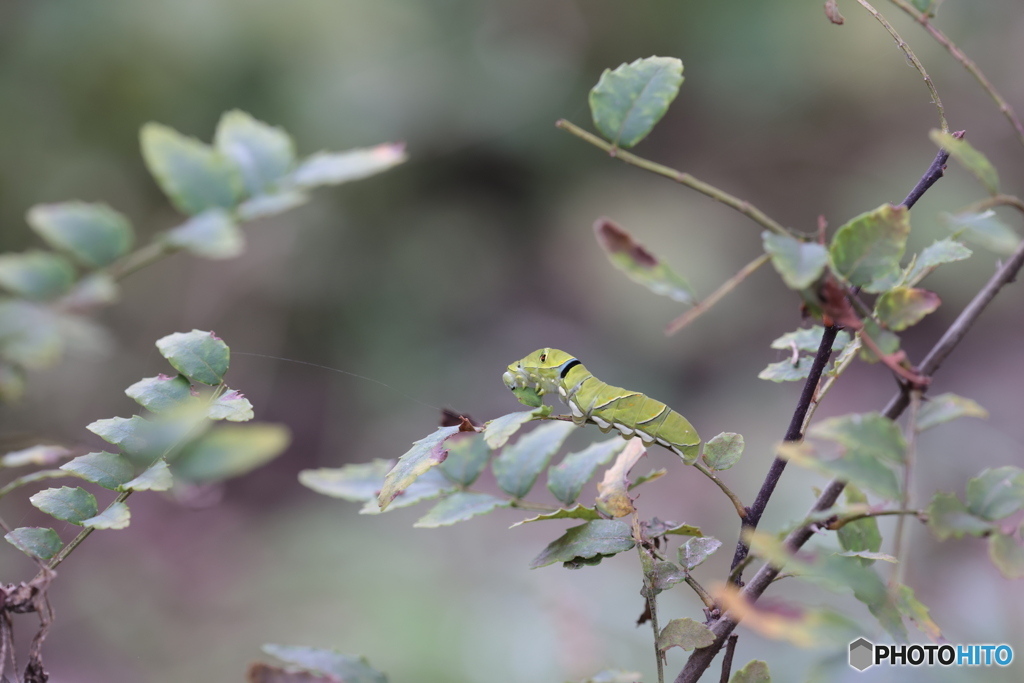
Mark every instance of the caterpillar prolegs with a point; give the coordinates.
(630, 412)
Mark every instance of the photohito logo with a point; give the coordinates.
(864, 654)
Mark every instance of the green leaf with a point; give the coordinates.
(517, 467)
(650, 476)
(117, 516)
(664, 575)
(359, 483)
(575, 512)
(228, 451)
(657, 528)
(460, 507)
(212, 234)
(193, 175)
(498, 430)
(566, 479)
(984, 229)
(92, 291)
(903, 307)
(94, 234)
(685, 633)
(593, 540)
(627, 103)
(870, 434)
(639, 264)
(35, 541)
(231, 406)
(35, 455)
(809, 339)
(30, 334)
(528, 396)
(141, 440)
(857, 467)
(949, 518)
(73, 505)
(939, 252)
(870, 556)
(696, 550)
(946, 407)
(996, 493)
(36, 275)
(109, 470)
(467, 458)
(157, 477)
(723, 451)
(787, 371)
(871, 245)
(1007, 554)
(970, 158)
(887, 342)
(263, 153)
(200, 356)
(161, 393)
(423, 455)
(910, 607)
(431, 484)
(756, 671)
(270, 204)
(799, 263)
(344, 668)
(862, 534)
(334, 168)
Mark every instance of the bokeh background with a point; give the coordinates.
(431, 278)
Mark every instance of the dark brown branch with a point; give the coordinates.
(724, 625)
(930, 176)
(730, 650)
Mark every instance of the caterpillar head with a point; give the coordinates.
(536, 375)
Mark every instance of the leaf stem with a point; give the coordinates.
(82, 535)
(527, 505)
(840, 523)
(743, 206)
(704, 596)
(741, 509)
(906, 492)
(704, 306)
(914, 60)
(34, 476)
(138, 259)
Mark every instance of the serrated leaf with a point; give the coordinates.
(904, 307)
(424, 454)
(653, 475)
(359, 483)
(870, 434)
(984, 229)
(627, 102)
(430, 485)
(34, 455)
(30, 334)
(723, 451)
(566, 479)
(1007, 554)
(950, 518)
(639, 264)
(685, 633)
(613, 497)
(862, 469)
(696, 550)
(345, 668)
(809, 339)
(161, 393)
(68, 504)
(943, 408)
(657, 528)
(996, 493)
(517, 467)
(756, 671)
(498, 430)
(116, 516)
(334, 168)
(94, 234)
(787, 371)
(156, 477)
(228, 451)
(871, 245)
(201, 356)
(799, 263)
(467, 457)
(193, 175)
(264, 154)
(36, 275)
(109, 470)
(937, 253)
(862, 534)
(460, 507)
(593, 540)
(265, 205)
(912, 608)
(35, 541)
(231, 406)
(970, 158)
(212, 234)
(575, 512)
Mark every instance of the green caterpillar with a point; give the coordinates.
(632, 413)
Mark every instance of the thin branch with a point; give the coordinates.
(743, 206)
(741, 509)
(82, 535)
(724, 625)
(968, 64)
(704, 596)
(934, 172)
(840, 523)
(907, 491)
(913, 59)
(730, 650)
(705, 305)
(138, 259)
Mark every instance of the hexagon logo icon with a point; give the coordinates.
(862, 654)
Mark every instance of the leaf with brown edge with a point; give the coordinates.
(423, 455)
(613, 491)
(640, 265)
(903, 307)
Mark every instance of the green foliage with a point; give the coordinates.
(693, 553)
(212, 234)
(1007, 554)
(755, 671)
(799, 263)
(460, 507)
(519, 465)
(339, 667)
(628, 101)
(686, 634)
(200, 356)
(423, 455)
(67, 504)
(639, 264)
(934, 255)
(970, 158)
(588, 543)
(36, 275)
(984, 229)
(109, 470)
(575, 512)
(498, 431)
(861, 535)
(95, 235)
(936, 410)
(35, 542)
(467, 458)
(723, 451)
(903, 307)
(193, 175)
(867, 249)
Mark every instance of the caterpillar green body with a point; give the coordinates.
(631, 413)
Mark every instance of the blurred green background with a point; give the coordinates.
(433, 277)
